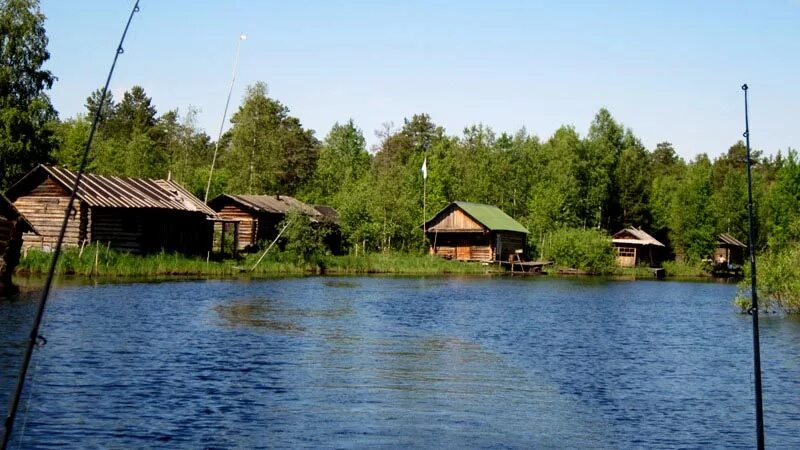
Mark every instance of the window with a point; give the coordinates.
(626, 251)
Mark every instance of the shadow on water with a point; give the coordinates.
(341, 284)
(255, 313)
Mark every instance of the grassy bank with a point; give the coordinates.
(100, 262)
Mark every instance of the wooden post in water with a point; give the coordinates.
(96, 270)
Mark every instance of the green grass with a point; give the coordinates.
(395, 263)
(677, 269)
(120, 264)
(673, 269)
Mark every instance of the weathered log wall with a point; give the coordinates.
(46, 214)
(248, 224)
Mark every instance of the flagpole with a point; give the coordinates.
(424, 171)
(424, 206)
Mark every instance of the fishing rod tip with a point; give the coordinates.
(744, 87)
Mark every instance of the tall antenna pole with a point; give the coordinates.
(753, 292)
(242, 37)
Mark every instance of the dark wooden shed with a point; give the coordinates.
(128, 214)
(475, 232)
(729, 250)
(334, 239)
(259, 215)
(12, 227)
(634, 246)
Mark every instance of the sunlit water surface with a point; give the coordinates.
(423, 362)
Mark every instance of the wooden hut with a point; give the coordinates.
(259, 215)
(128, 214)
(474, 232)
(729, 250)
(12, 227)
(634, 246)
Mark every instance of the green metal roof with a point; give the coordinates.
(491, 217)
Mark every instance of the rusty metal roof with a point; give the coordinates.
(122, 192)
(635, 236)
(727, 239)
(330, 214)
(276, 204)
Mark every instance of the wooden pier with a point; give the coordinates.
(525, 267)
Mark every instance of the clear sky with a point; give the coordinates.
(670, 70)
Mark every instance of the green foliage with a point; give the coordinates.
(692, 220)
(343, 160)
(588, 250)
(778, 281)
(555, 196)
(687, 269)
(304, 239)
(26, 115)
(782, 212)
(270, 150)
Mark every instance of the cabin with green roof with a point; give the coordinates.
(475, 232)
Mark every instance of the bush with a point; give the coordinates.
(778, 281)
(588, 250)
(305, 239)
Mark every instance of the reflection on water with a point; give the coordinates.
(253, 313)
(362, 362)
(341, 284)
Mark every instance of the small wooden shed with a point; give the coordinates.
(475, 232)
(729, 250)
(128, 214)
(259, 215)
(634, 246)
(12, 227)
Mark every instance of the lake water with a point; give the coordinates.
(421, 362)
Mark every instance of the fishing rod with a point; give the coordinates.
(34, 336)
(753, 293)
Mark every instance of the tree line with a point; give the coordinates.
(604, 179)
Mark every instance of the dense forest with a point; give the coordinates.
(602, 178)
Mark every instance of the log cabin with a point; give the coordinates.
(474, 232)
(634, 246)
(127, 214)
(12, 227)
(259, 215)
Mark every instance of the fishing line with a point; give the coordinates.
(37, 321)
(31, 388)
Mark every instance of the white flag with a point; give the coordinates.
(425, 169)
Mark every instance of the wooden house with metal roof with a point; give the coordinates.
(128, 214)
(259, 215)
(729, 250)
(475, 232)
(12, 227)
(634, 246)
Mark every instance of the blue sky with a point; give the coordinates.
(670, 70)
